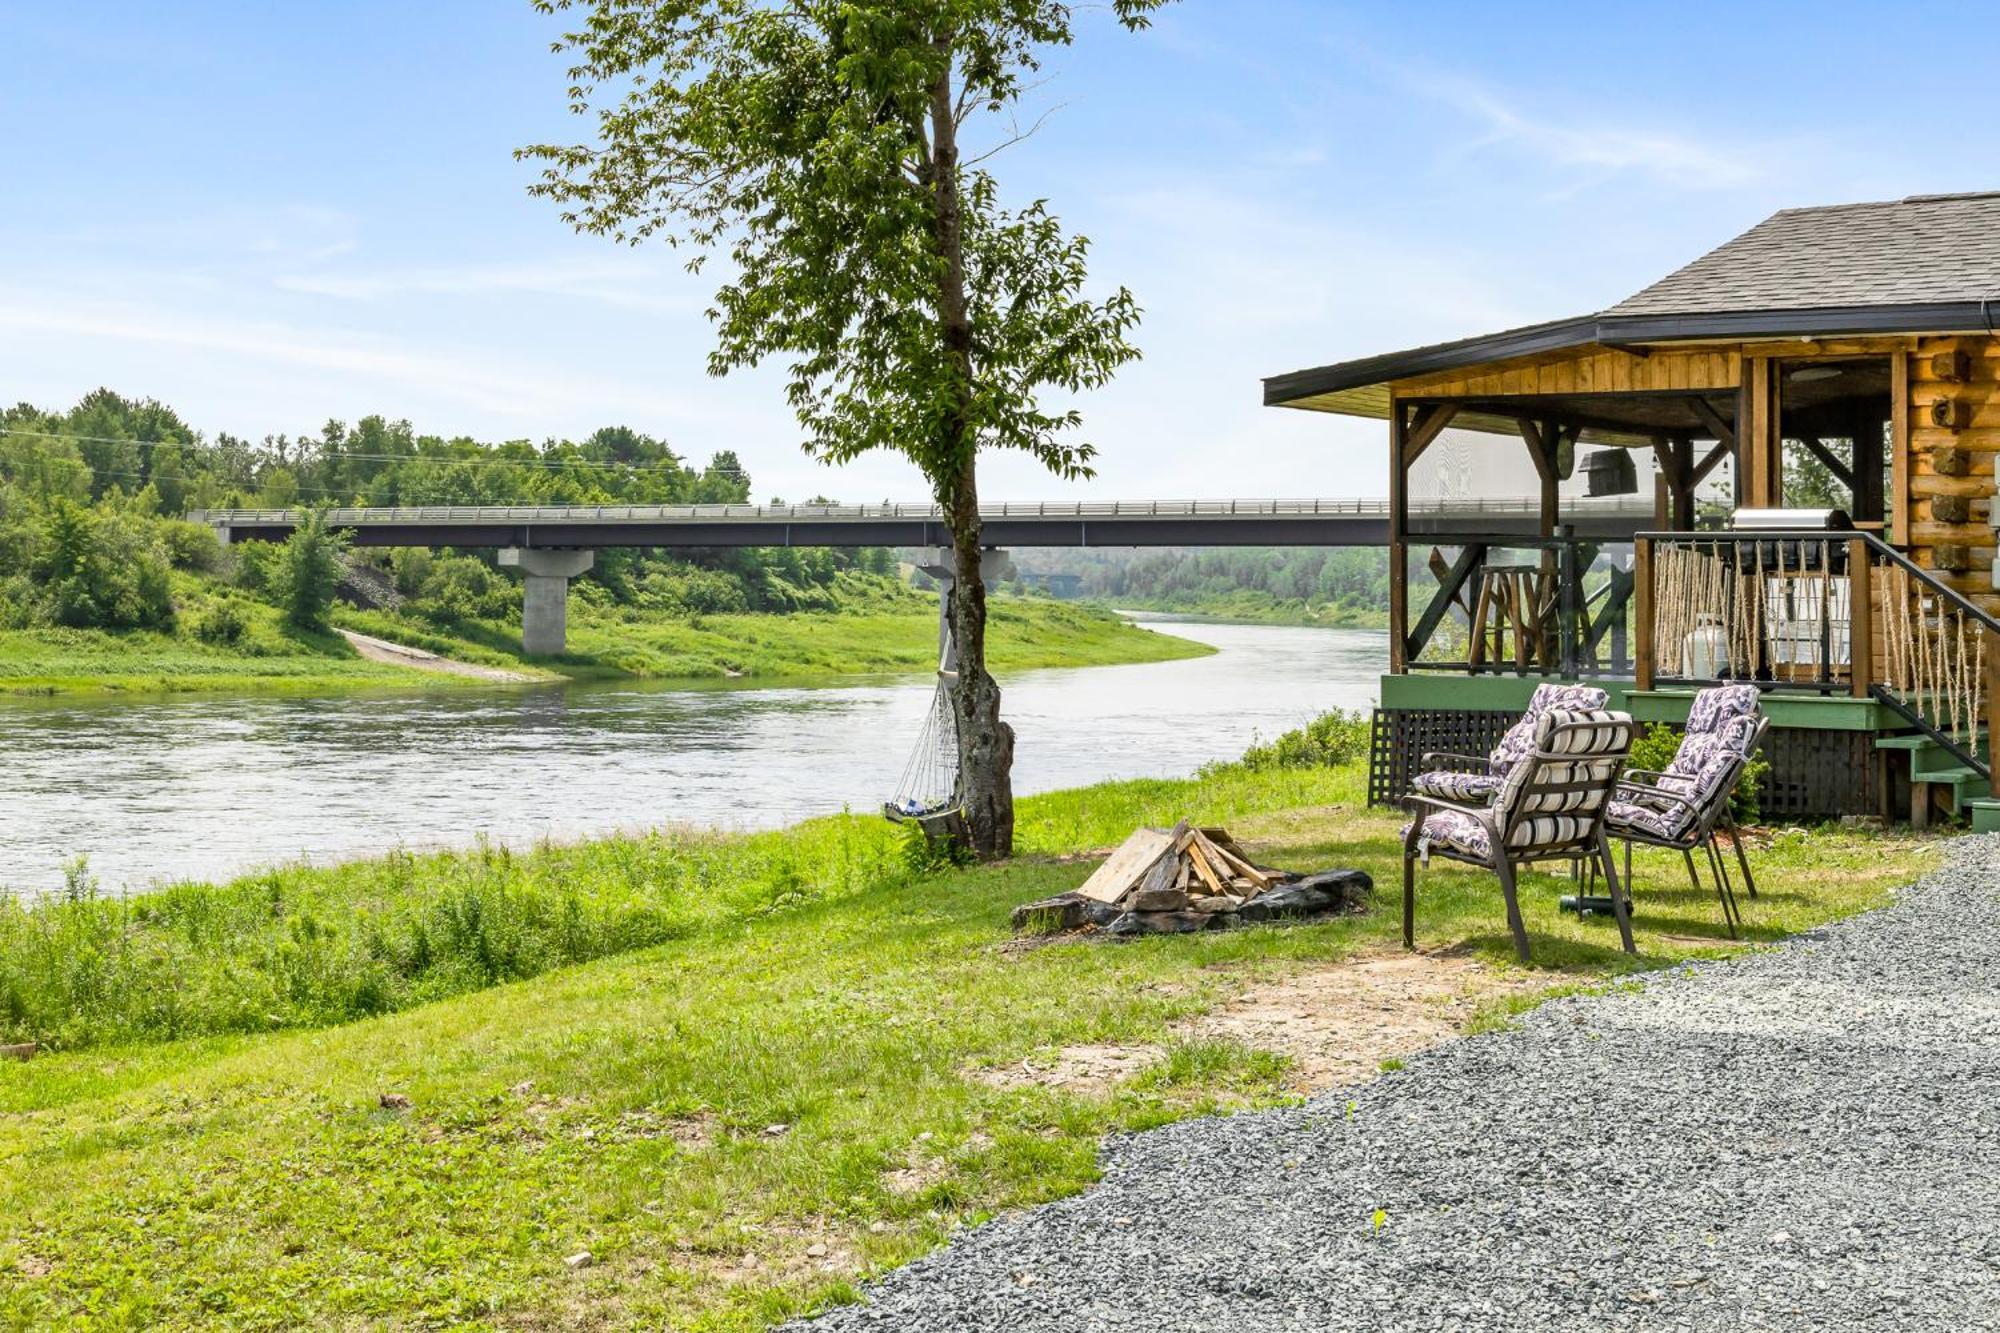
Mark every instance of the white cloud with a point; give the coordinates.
(1597, 146)
(492, 386)
(629, 281)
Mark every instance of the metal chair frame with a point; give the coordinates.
(1699, 835)
(1499, 823)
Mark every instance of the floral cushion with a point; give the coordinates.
(1520, 738)
(1668, 819)
(1474, 788)
(1721, 707)
(1458, 831)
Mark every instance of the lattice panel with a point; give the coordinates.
(1812, 775)
(1820, 774)
(1401, 737)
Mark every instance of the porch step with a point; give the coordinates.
(1929, 761)
(1985, 814)
(1967, 784)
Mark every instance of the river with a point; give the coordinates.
(205, 786)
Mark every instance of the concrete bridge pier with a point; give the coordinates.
(936, 561)
(545, 576)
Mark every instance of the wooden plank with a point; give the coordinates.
(1125, 866)
(1229, 857)
(1191, 849)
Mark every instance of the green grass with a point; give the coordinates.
(806, 645)
(631, 1105)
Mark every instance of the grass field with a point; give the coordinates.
(786, 1085)
(903, 637)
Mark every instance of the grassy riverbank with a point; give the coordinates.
(794, 1058)
(1250, 606)
(886, 635)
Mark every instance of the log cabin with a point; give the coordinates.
(1814, 407)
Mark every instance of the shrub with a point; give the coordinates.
(222, 623)
(1328, 741)
(190, 545)
(102, 569)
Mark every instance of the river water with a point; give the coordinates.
(206, 786)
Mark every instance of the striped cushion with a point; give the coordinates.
(1520, 738)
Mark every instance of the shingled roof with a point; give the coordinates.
(1926, 264)
(1927, 248)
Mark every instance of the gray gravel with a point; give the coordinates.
(1808, 1137)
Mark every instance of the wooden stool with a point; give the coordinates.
(1514, 608)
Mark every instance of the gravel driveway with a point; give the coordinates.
(1804, 1138)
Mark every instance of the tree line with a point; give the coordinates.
(1348, 579)
(93, 531)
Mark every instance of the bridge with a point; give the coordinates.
(550, 544)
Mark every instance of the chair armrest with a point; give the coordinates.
(1476, 811)
(1430, 761)
(1660, 793)
(1644, 773)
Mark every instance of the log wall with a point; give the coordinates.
(1951, 473)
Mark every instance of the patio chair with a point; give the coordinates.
(1681, 808)
(1474, 778)
(1550, 807)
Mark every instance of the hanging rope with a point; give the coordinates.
(929, 785)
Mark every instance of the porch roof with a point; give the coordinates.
(1925, 264)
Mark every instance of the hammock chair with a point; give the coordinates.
(928, 792)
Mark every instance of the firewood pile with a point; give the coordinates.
(1172, 881)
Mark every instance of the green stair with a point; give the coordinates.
(1968, 793)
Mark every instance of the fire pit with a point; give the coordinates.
(1184, 879)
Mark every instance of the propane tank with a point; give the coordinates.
(1705, 650)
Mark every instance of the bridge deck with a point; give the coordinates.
(1337, 522)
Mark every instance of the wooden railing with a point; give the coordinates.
(1819, 611)
(1525, 606)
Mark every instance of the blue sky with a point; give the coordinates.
(272, 214)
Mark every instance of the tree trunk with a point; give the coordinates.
(985, 743)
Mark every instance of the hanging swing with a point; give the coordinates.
(928, 789)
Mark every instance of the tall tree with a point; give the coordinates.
(821, 144)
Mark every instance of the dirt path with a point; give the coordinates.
(417, 659)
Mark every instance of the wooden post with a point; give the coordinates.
(1861, 618)
(1642, 612)
(1399, 527)
(1990, 684)
(1899, 450)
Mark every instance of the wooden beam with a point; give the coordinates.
(1722, 430)
(1709, 462)
(1429, 424)
(1449, 586)
(1617, 593)
(1842, 472)
(1399, 527)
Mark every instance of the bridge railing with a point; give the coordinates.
(1366, 507)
